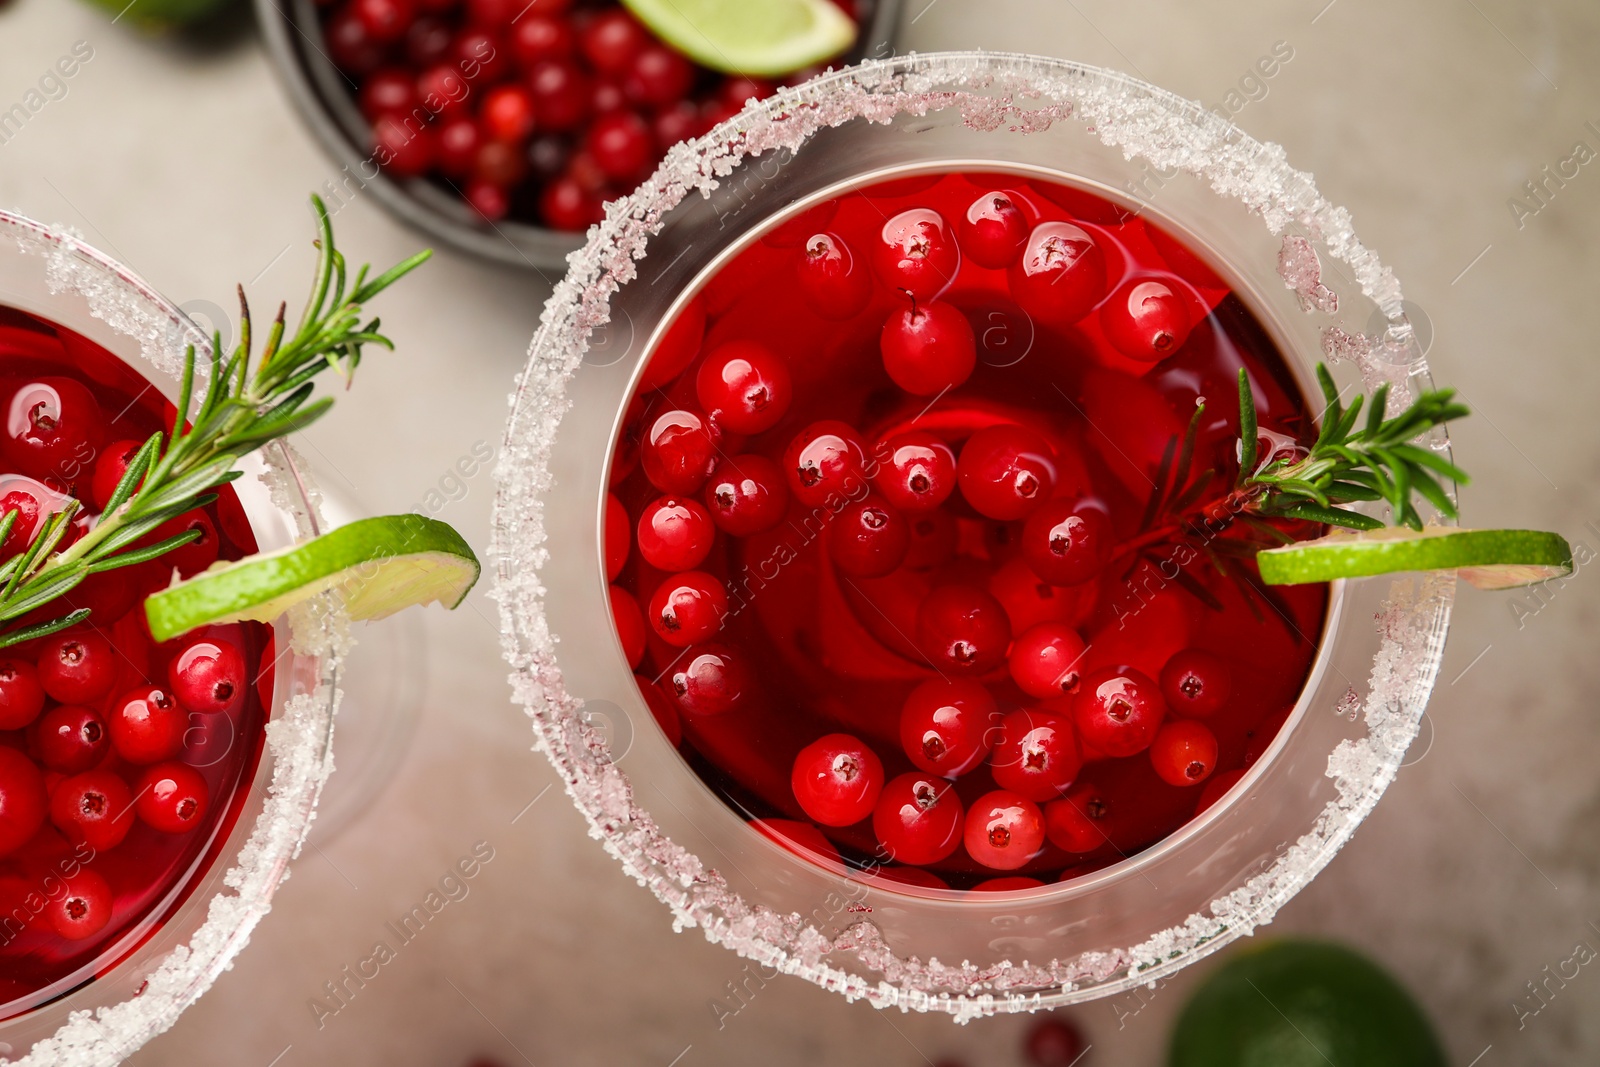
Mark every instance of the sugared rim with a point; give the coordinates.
(299, 735)
(990, 90)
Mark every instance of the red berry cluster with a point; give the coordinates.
(966, 538)
(538, 109)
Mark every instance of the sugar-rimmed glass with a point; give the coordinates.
(1290, 255)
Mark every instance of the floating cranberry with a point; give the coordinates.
(918, 819)
(710, 680)
(71, 739)
(928, 349)
(994, 231)
(1184, 752)
(679, 451)
(1145, 319)
(947, 726)
(687, 609)
(1046, 660)
(962, 628)
(1006, 472)
(832, 283)
(208, 676)
(147, 725)
(630, 625)
(837, 779)
(1003, 831)
(1061, 275)
(94, 807)
(917, 252)
(744, 387)
(52, 429)
(1067, 542)
(77, 666)
(23, 801)
(746, 494)
(1077, 822)
(109, 468)
(84, 909)
(21, 695)
(618, 538)
(198, 553)
(1118, 711)
(868, 539)
(1036, 755)
(33, 502)
(1196, 683)
(825, 460)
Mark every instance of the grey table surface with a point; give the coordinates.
(1478, 870)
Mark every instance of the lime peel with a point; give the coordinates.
(377, 566)
(1488, 559)
(766, 38)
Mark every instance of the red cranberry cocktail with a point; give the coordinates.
(121, 759)
(888, 545)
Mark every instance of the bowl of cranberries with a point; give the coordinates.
(502, 127)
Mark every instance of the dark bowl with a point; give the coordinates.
(322, 95)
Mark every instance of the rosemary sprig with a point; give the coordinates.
(245, 405)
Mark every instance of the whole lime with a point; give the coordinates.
(1302, 1004)
(163, 14)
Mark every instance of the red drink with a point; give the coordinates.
(123, 762)
(908, 551)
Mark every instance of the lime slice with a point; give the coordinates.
(1488, 559)
(762, 37)
(377, 565)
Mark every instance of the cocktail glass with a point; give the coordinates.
(1284, 249)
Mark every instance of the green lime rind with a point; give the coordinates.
(1488, 559)
(758, 37)
(378, 566)
(163, 14)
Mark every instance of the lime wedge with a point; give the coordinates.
(761, 37)
(377, 565)
(1488, 559)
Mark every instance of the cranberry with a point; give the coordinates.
(928, 348)
(744, 387)
(77, 666)
(994, 231)
(1054, 1043)
(351, 46)
(51, 428)
(494, 14)
(630, 625)
(1006, 472)
(172, 797)
(824, 460)
(109, 468)
(868, 539)
(686, 609)
(1145, 320)
(477, 57)
(94, 807)
(23, 801)
(962, 628)
(566, 205)
(499, 163)
(1196, 683)
(84, 909)
(837, 780)
(71, 739)
(674, 123)
(147, 725)
(207, 676)
(916, 252)
(1184, 752)
(1067, 542)
(427, 41)
(1061, 275)
(746, 494)
(21, 695)
(1035, 754)
(710, 680)
(621, 144)
(385, 92)
(385, 20)
(32, 501)
(679, 451)
(487, 199)
(560, 95)
(946, 726)
(915, 471)
(401, 147)
(675, 533)
(507, 113)
(1008, 884)
(1046, 660)
(442, 90)
(1218, 785)
(801, 838)
(832, 283)
(918, 819)
(618, 538)
(612, 40)
(195, 555)
(1076, 823)
(548, 156)
(607, 97)
(535, 39)
(739, 90)
(658, 76)
(1003, 830)
(456, 145)
(1118, 711)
